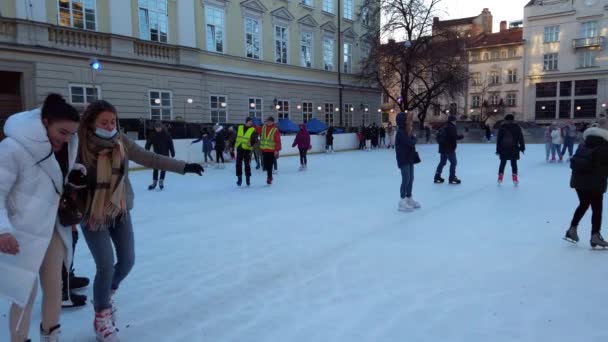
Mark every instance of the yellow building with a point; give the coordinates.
(198, 60)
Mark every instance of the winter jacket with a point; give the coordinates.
(302, 140)
(207, 140)
(517, 139)
(329, 136)
(161, 143)
(556, 136)
(31, 182)
(569, 133)
(382, 132)
(137, 154)
(596, 181)
(451, 139)
(405, 144)
(548, 139)
(220, 140)
(276, 138)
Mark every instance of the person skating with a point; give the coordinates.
(270, 144)
(37, 154)
(569, 133)
(246, 138)
(374, 136)
(509, 143)
(589, 178)
(220, 146)
(361, 137)
(390, 131)
(329, 140)
(407, 157)
(448, 137)
(427, 132)
(557, 140)
(71, 282)
(382, 132)
(107, 201)
(161, 143)
(230, 140)
(302, 141)
(207, 140)
(368, 138)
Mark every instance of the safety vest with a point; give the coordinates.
(267, 140)
(243, 139)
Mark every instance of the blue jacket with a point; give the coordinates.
(405, 145)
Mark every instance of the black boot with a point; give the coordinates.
(71, 299)
(239, 180)
(248, 180)
(161, 184)
(455, 181)
(438, 179)
(153, 185)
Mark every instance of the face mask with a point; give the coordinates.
(105, 134)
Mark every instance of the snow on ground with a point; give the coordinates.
(324, 255)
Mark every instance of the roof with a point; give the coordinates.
(510, 36)
(455, 22)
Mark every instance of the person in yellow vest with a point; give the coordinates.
(246, 138)
(270, 144)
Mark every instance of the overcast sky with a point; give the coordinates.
(508, 10)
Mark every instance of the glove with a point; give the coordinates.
(276, 154)
(194, 168)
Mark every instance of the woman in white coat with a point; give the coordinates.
(39, 149)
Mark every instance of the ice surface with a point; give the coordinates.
(324, 255)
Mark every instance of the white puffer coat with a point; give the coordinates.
(30, 183)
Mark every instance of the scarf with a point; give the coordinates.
(108, 200)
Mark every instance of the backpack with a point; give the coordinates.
(508, 141)
(442, 134)
(582, 161)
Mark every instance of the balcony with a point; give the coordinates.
(156, 52)
(8, 30)
(66, 38)
(588, 42)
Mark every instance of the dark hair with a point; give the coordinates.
(56, 109)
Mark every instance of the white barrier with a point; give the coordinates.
(194, 153)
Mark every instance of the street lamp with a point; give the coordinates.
(277, 107)
(299, 107)
(379, 110)
(187, 101)
(252, 105)
(352, 109)
(578, 108)
(367, 109)
(319, 108)
(223, 104)
(337, 109)
(157, 101)
(95, 66)
(543, 107)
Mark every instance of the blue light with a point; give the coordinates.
(96, 66)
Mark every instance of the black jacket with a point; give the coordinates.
(510, 153)
(451, 139)
(220, 140)
(405, 145)
(329, 136)
(596, 181)
(161, 143)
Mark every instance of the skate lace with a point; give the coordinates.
(52, 337)
(104, 325)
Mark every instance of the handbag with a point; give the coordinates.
(68, 213)
(417, 159)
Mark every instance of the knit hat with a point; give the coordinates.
(270, 118)
(509, 117)
(248, 119)
(452, 118)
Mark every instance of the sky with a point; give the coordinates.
(508, 10)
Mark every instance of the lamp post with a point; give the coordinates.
(95, 65)
(187, 101)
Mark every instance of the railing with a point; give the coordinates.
(8, 29)
(588, 42)
(155, 51)
(74, 39)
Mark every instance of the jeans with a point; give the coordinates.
(269, 161)
(555, 149)
(407, 180)
(503, 164)
(453, 162)
(568, 145)
(548, 149)
(595, 201)
(219, 155)
(103, 243)
(208, 155)
(303, 159)
(155, 174)
(243, 156)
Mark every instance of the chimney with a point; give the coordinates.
(503, 26)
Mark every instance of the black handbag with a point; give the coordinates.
(69, 214)
(417, 159)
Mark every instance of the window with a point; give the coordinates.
(565, 107)
(587, 58)
(585, 108)
(476, 101)
(494, 55)
(589, 29)
(512, 53)
(306, 111)
(474, 56)
(494, 99)
(281, 41)
(283, 110)
(329, 114)
(160, 105)
(348, 58)
(546, 89)
(218, 105)
(512, 76)
(365, 51)
(486, 56)
(503, 54)
(565, 88)
(253, 38)
(153, 20)
(215, 29)
(348, 9)
(511, 100)
(494, 77)
(83, 94)
(551, 34)
(77, 13)
(306, 49)
(365, 16)
(307, 3)
(328, 6)
(550, 62)
(328, 54)
(255, 107)
(476, 78)
(348, 111)
(585, 88)
(545, 110)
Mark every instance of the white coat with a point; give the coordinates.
(556, 136)
(30, 183)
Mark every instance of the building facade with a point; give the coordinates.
(195, 60)
(566, 63)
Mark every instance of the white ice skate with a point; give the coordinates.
(404, 205)
(413, 204)
(51, 336)
(105, 331)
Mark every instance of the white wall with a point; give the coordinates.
(193, 153)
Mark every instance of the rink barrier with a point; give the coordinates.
(194, 153)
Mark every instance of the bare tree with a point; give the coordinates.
(424, 66)
(487, 110)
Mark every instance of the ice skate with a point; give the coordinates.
(71, 299)
(413, 203)
(275, 172)
(105, 330)
(571, 235)
(153, 185)
(269, 180)
(515, 179)
(239, 181)
(248, 180)
(598, 241)
(161, 184)
(439, 180)
(51, 336)
(500, 178)
(405, 206)
(455, 181)
(301, 168)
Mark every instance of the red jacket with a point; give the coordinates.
(277, 137)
